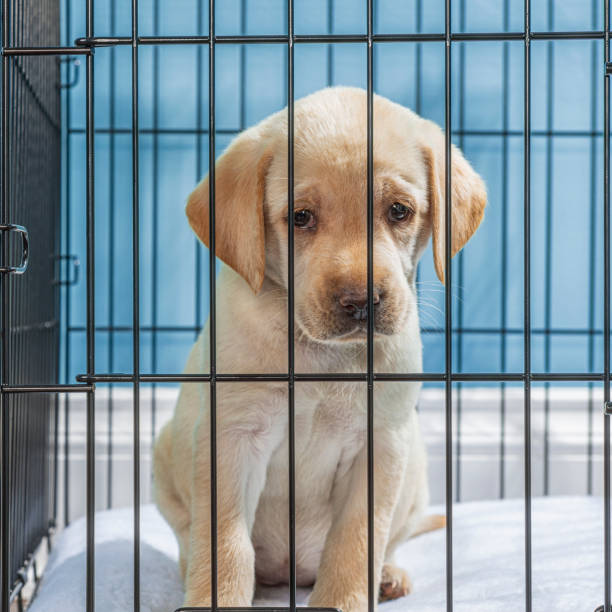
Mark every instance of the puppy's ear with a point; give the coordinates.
(468, 197)
(240, 175)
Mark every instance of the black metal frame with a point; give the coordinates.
(86, 383)
(30, 302)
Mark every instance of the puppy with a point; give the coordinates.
(330, 336)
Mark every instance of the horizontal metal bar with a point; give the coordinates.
(462, 132)
(159, 131)
(59, 388)
(102, 41)
(107, 41)
(15, 51)
(500, 331)
(537, 133)
(105, 378)
(348, 377)
(571, 35)
(574, 377)
(143, 328)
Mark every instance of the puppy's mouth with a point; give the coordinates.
(332, 332)
(359, 333)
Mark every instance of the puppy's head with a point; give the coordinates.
(330, 203)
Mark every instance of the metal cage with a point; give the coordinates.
(30, 304)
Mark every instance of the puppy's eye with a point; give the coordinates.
(399, 212)
(304, 219)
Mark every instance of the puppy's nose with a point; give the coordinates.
(355, 303)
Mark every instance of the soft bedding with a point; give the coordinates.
(488, 547)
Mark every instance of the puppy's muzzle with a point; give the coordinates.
(354, 303)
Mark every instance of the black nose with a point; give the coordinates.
(355, 303)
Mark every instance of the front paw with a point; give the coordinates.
(348, 602)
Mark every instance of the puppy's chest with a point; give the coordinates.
(332, 409)
(330, 429)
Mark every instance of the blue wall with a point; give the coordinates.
(487, 84)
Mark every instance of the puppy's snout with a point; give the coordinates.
(355, 303)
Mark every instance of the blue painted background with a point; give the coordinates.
(566, 171)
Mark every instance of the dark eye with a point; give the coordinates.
(304, 219)
(399, 212)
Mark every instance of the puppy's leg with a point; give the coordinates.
(248, 431)
(342, 580)
(169, 502)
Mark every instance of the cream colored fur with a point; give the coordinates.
(330, 417)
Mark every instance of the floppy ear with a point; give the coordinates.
(240, 175)
(468, 198)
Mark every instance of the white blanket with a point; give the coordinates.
(488, 545)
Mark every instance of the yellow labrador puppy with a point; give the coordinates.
(330, 336)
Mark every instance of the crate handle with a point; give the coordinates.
(25, 252)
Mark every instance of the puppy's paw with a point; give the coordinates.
(348, 604)
(336, 598)
(394, 583)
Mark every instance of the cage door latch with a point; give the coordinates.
(25, 249)
(608, 411)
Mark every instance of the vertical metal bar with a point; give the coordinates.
(111, 251)
(527, 298)
(243, 48)
(66, 459)
(504, 255)
(4, 417)
(592, 244)
(199, 121)
(330, 47)
(548, 242)
(136, 301)
(606, 329)
(372, 594)
(213, 311)
(56, 407)
(462, 25)
(448, 327)
(155, 213)
(291, 302)
(91, 349)
(419, 63)
(68, 289)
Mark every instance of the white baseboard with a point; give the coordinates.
(479, 423)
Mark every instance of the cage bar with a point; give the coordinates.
(291, 301)
(136, 301)
(4, 421)
(606, 326)
(212, 287)
(372, 595)
(527, 298)
(91, 352)
(448, 304)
